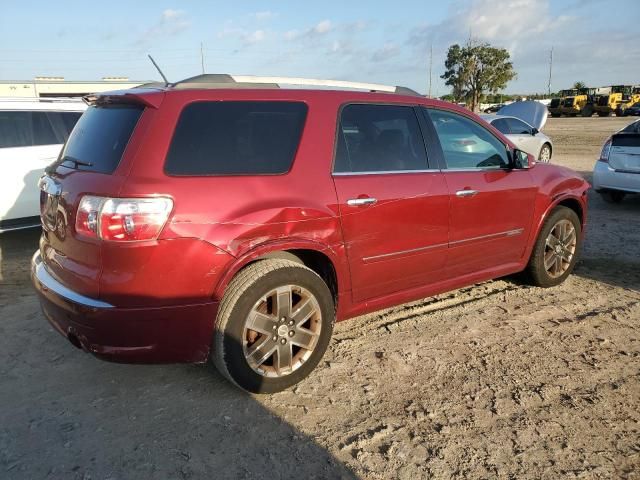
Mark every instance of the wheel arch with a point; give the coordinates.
(319, 258)
(546, 142)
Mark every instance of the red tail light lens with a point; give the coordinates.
(122, 219)
(606, 149)
(87, 216)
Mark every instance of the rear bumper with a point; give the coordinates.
(135, 335)
(606, 178)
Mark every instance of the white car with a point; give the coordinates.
(523, 135)
(617, 171)
(32, 132)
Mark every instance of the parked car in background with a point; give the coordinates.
(494, 108)
(523, 135)
(32, 132)
(617, 171)
(224, 218)
(633, 110)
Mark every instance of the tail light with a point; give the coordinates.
(122, 219)
(606, 149)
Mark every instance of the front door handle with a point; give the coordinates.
(466, 193)
(358, 202)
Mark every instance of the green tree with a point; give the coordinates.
(579, 85)
(476, 68)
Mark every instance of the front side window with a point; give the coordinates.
(379, 138)
(518, 127)
(236, 138)
(502, 126)
(466, 144)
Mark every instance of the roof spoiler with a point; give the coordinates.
(148, 96)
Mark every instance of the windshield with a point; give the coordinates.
(99, 138)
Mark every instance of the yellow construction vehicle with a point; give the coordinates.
(632, 99)
(607, 104)
(555, 107)
(580, 103)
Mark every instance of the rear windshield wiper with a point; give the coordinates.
(76, 161)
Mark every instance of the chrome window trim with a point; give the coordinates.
(385, 172)
(479, 169)
(47, 282)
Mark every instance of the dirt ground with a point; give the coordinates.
(498, 380)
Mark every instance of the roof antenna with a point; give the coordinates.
(166, 82)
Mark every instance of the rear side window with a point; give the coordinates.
(379, 138)
(26, 129)
(99, 138)
(63, 123)
(236, 138)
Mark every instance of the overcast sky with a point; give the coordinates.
(594, 41)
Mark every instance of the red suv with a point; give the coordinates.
(236, 221)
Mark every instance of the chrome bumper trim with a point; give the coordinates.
(47, 282)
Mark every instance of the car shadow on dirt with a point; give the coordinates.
(66, 414)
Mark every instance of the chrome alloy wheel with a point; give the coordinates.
(545, 154)
(281, 331)
(560, 247)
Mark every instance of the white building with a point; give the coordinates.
(59, 87)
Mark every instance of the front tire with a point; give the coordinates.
(556, 249)
(545, 153)
(274, 324)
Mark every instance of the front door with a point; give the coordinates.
(491, 204)
(393, 208)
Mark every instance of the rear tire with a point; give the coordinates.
(612, 196)
(556, 249)
(604, 114)
(292, 313)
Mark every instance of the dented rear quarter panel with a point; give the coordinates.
(244, 216)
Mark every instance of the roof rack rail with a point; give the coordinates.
(222, 80)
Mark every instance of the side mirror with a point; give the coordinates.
(522, 160)
(534, 131)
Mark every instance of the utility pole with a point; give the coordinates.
(202, 56)
(430, 67)
(550, 68)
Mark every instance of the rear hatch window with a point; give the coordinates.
(236, 138)
(99, 138)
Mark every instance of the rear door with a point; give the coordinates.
(491, 205)
(393, 204)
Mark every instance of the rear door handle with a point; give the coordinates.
(358, 202)
(466, 193)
